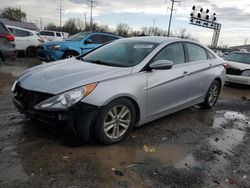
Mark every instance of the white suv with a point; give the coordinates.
(53, 35)
(26, 40)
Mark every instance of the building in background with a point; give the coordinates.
(24, 25)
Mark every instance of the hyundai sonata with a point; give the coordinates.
(121, 85)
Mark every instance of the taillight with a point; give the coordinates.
(225, 65)
(9, 37)
(41, 40)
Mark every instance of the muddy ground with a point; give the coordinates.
(191, 148)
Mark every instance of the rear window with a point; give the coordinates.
(20, 32)
(195, 52)
(3, 29)
(47, 33)
(58, 34)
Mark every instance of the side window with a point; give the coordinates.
(210, 55)
(20, 33)
(47, 33)
(195, 52)
(58, 34)
(173, 52)
(97, 39)
(3, 29)
(11, 29)
(108, 38)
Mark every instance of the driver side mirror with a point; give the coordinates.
(88, 41)
(161, 65)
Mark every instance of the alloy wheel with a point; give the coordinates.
(213, 94)
(117, 121)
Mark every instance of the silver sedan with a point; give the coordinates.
(121, 85)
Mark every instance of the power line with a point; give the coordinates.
(171, 14)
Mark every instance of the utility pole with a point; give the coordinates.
(41, 24)
(171, 14)
(60, 12)
(91, 4)
(85, 20)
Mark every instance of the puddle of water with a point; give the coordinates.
(232, 124)
(123, 158)
(230, 139)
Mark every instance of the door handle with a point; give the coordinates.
(185, 72)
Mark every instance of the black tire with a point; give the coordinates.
(100, 134)
(31, 52)
(209, 101)
(70, 54)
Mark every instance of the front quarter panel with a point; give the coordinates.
(132, 86)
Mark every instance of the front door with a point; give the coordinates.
(168, 89)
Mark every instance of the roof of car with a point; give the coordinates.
(156, 39)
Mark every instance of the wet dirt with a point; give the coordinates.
(193, 148)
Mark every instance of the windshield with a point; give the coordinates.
(77, 37)
(239, 57)
(120, 53)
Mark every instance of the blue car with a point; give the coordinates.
(78, 44)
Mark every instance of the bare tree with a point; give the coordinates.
(123, 29)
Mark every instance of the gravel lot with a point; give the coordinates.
(191, 148)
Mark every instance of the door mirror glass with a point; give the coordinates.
(161, 64)
(88, 41)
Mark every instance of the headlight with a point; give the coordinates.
(14, 86)
(67, 99)
(246, 73)
(54, 47)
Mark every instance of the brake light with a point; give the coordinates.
(9, 37)
(225, 65)
(41, 40)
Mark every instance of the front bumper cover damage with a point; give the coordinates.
(79, 117)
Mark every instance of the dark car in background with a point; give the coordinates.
(78, 44)
(7, 45)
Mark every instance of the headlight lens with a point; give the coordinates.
(54, 47)
(14, 86)
(67, 99)
(246, 73)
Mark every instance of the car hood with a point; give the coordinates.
(238, 65)
(64, 75)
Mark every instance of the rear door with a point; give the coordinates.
(200, 70)
(168, 89)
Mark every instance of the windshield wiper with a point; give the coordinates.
(100, 62)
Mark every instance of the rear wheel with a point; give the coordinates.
(115, 121)
(31, 52)
(212, 95)
(70, 55)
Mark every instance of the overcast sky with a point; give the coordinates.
(233, 14)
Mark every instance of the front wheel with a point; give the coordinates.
(68, 55)
(115, 121)
(212, 95)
